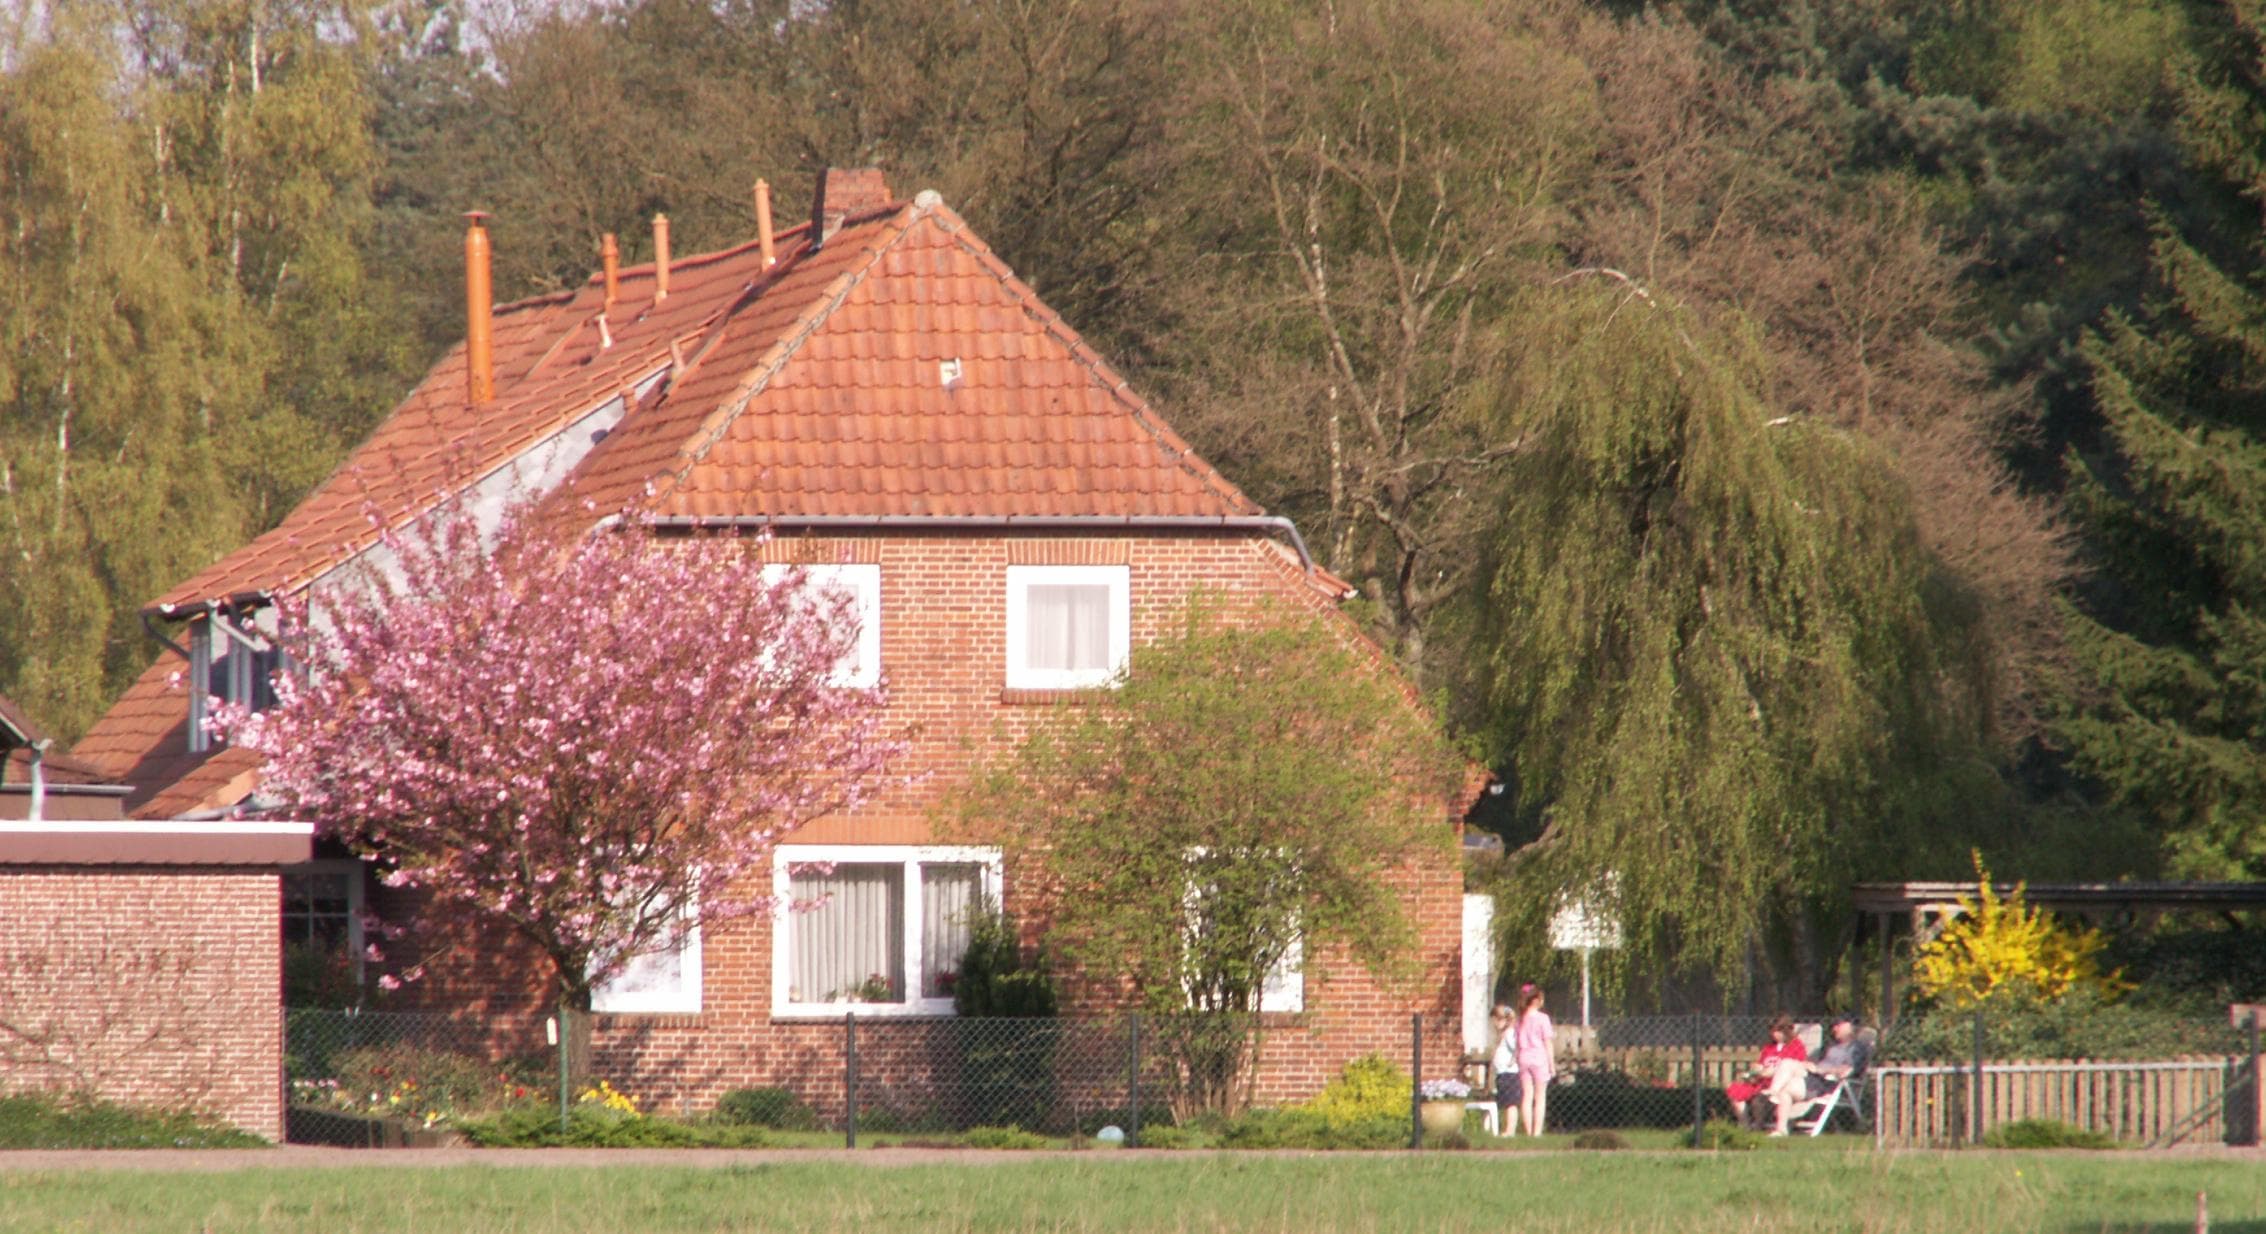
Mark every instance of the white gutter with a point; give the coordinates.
(1271, 523)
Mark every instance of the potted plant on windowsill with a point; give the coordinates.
(1442, 1111)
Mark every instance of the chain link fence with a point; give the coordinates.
(392, 1079)
(383, 1078)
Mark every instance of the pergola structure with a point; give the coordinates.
(1928, 906)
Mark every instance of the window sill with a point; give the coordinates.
(651, 1019)
(1027, 696)
(833, 1013)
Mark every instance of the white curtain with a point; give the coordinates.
(1068, 626)
(851, 943)
(950, 895)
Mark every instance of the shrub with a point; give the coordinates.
(2004, 951)
(1601, 1141)
(1723, 1137)
(41, 1120)
(595, 1126)
(1168, 1136)
(2044, 1133)
(1010, 1137)
(765, 1107)
(2083, 1024)
(1300, 1127)
(1370, 1087)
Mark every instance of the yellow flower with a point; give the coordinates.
(1997, 946)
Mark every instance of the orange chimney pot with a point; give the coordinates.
(660, 258)
(763, 222)
(610, 260)
(479, 304)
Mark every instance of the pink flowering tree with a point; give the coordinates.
(588, 739)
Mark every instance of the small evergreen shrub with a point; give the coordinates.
(1009, 1137)
(1600, 1141)
(1168, 1136)
(592, 1126)
(2044, 1133)
(40, 1120)
(1301, 1127)
(1723, 1137)
(766, 1107)
(1370, 1087)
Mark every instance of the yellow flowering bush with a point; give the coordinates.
(2004, 948)
(603, 1095)
(1370, 1087)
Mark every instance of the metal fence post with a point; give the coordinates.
(1975, 1106)
(566, 1035)
(850, 1080)
(1699, 1094)
(1416, 1080)
(2257, 1087)
(1133, 1079)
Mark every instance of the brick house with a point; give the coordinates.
(876, 391)
(137, 956)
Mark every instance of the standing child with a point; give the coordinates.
(1537, 1045)
(1506, 1068)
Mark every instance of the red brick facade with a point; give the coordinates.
(943, 621)
(146, 985)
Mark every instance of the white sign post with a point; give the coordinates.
(1579, 925)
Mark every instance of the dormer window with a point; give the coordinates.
(229, 662)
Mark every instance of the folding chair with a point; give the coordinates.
(1848, 1091)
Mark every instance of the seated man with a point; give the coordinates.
(1795, 1087)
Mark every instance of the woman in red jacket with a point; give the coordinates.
(1783, 1044)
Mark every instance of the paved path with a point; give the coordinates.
(302, 1157)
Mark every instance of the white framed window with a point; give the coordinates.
(1068, 627)
(874, 929)
(861, 668)
(662, 981)
(1285, 986)
(234, 663)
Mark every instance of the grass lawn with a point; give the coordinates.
(1814, 1189)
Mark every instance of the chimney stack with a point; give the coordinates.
(660, 258)
(479, 302)
(842, 192)
(763, 222)
(610, 260)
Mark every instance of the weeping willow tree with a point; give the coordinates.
(1725, 676)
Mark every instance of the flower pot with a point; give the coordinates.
(1442, 1117)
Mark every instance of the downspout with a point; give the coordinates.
(39, 778)
(1273, 523)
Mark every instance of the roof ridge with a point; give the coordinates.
(1083, 352)
(791, 338)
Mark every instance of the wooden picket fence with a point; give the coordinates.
(2185, 1099)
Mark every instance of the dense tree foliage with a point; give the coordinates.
(1539, 315)
(2174, 639)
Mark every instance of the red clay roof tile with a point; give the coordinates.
(815, 387)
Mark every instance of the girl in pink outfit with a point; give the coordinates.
(1537, 1041)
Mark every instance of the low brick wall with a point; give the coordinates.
(148, 985)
